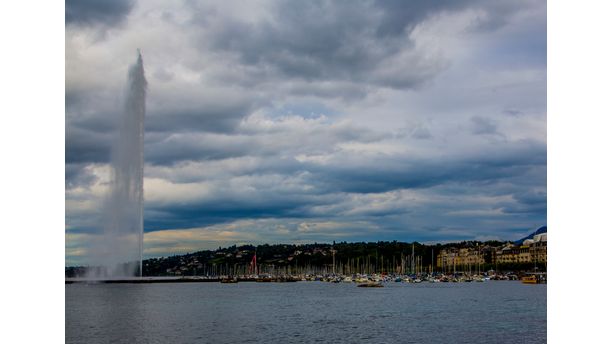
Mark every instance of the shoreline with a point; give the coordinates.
(536, 278)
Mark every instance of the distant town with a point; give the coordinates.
(342, 258)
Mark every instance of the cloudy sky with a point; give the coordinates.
(292, 122)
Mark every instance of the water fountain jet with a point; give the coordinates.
(118, 253)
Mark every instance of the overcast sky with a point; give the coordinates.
(292, 122)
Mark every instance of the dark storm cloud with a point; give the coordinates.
(87, 146)
(354, 41)
(211, 117)
(380, 174)
(177, 148)
(527, 201)
(90, 127)
(100, 123)
(222, 210)
(483, 126)
(263, 199)
(91, 120)
(401, 15)
(531, 197)
(104, 12)
(332, 189)
(91, 109)
(281, 139)
(300, 37)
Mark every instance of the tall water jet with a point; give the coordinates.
(119, 252)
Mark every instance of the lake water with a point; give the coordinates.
(305, 312)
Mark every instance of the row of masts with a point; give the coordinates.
(404, 265)
(363, 266)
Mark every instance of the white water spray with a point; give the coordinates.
(119, 252)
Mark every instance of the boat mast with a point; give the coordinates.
(412, 260)
(333, 261)
(432, 261)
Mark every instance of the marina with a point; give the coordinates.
(360, 279)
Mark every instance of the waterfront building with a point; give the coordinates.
(465, 259)
(531, 251)
(524, 254)
(538, 248)
(462, 259)
(508, 254)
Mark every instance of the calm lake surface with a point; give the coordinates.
(304, 312)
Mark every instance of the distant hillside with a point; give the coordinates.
(381, 255)
(530, 236)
